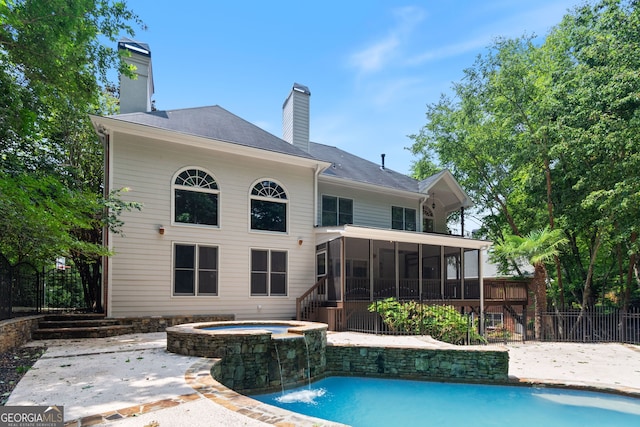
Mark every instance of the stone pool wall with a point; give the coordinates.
(464, 364)
(249, 360)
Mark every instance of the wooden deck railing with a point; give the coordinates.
(506, 290)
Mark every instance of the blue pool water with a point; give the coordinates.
(274, 329)
(375, 402)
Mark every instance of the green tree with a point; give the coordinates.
(53, 73)
(538, 248)
(546, 135)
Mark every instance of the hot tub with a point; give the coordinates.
(255, 355)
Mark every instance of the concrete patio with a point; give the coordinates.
(131, 380)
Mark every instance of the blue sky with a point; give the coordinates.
(372, 66)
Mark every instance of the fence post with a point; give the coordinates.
(524, 324)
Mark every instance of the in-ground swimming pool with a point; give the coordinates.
(375, 402)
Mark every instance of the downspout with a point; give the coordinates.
(315, 195)
(104, 137)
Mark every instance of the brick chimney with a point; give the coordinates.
(295, 117)
(135, 95)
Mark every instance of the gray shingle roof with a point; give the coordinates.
(216, 123)
(350, 167)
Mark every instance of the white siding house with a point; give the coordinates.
(233, 218)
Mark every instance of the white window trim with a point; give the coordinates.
(269, 199)
(197, 260)
(404, 217)
(338, 208)
(174, 186)
(268, 294)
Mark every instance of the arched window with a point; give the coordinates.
(268, 207)
(195, 195)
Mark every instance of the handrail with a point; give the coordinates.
(313, 288)
(310, 294)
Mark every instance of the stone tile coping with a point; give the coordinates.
(198, 376)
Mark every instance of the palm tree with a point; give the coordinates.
(538, 248)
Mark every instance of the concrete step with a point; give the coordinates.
(82, 332)
(54, 324)
(74, 316)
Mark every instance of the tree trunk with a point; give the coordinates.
(539, 284)
(629, 285)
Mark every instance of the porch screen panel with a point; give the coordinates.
(408, 271)
(334, 271)
(471, 273)
(431, 272)
(357, 279)
(452, 265)
(384, 269)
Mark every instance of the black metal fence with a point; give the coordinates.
(25, 289)
(595, 325)
(502, 324)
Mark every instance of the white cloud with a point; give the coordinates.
(391, 91)
(450, 50)
(382, 52)
(375, 57)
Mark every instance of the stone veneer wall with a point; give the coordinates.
(464, 364)
(249, 362)
(16, 332)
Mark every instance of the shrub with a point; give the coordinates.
(442, 322)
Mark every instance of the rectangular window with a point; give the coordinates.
(268, 272)
(192, 207)
(195, 270)
(336, 211)
(403, 218)
(268, 216)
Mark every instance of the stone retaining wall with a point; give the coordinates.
(17, 332)
(464, 364)
(143, 325)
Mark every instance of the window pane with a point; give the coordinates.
(258, 260)
(207, 282)
(278, 261)
(192, 207)
(397, 218)
(410, 219)
(184, 256)
(321, 264)
(329, 219)
(269, 216)
(329, 211)
(207, 258)
(258, 283)
(278, 284)
(346, 212)
(183, 282)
